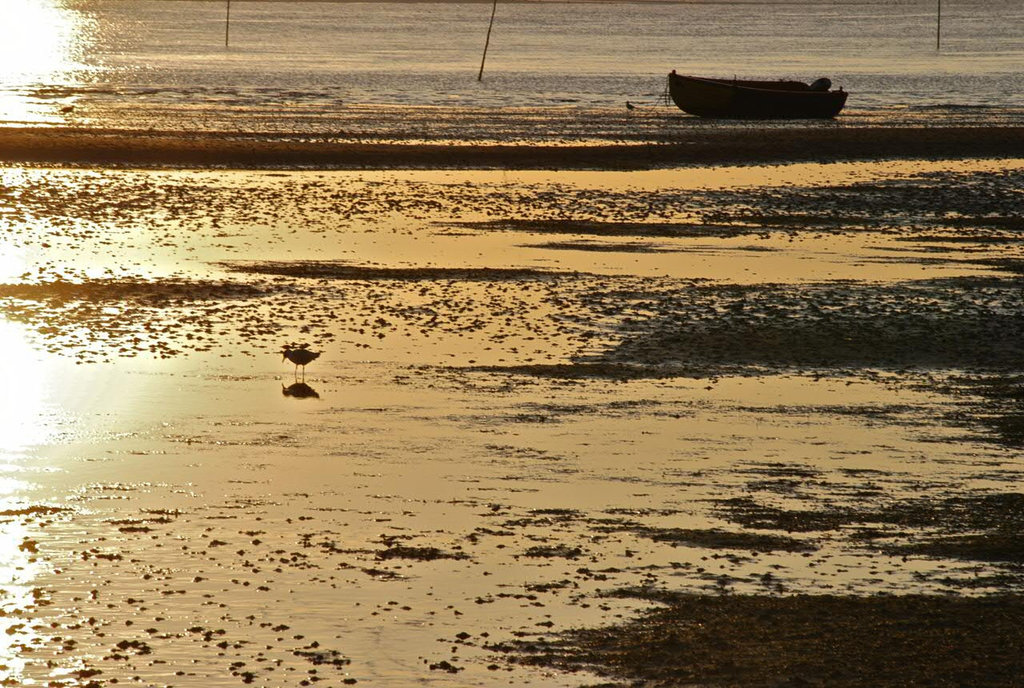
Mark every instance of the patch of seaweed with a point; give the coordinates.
(338, 270)
(982, 528)
(553, 552)
(1000, 511)
(937, 323)
(622, 371)
(603, 248)
(33, 511)
(612, 229)
(1013, 223)
(1012, 265)
(418, 553)
(150, 292)
(999, 546)
(1001, 409)
(714, 538)
(751, 514)
(800, 640)
(1004, 511)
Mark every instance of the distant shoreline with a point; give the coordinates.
(545, 2)
(72, 146)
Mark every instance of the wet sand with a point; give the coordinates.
(687, 146)
(565, 428)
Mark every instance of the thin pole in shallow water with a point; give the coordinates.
(494, 8)
(938, 26)
(227, 24)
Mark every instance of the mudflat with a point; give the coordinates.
(707, 425)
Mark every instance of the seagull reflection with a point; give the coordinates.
(299, 390)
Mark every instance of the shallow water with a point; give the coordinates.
(227, 500)
(502, 426)
(563, 72)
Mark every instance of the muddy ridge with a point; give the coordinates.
(199, 149)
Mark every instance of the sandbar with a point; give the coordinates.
(687, 147)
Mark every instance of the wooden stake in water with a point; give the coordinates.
(494, 8)
(938, 26)
(227, 24)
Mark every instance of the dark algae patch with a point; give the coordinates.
(611, 229)
(418, 553)
(973, 322)
(804, 640)
(994, 403)
(344, 271)
(977, 527)
(985, 528)
(718, 539)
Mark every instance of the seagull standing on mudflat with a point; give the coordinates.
(300, 356)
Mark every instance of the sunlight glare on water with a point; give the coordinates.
(22, 404)
(18, 569)
(38, 40)
(13, 262)
(20, 408)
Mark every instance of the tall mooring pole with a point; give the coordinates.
(227, 24)
(494, 8)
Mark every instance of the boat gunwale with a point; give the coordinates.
(744, 83)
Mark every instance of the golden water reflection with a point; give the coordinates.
(39, 42)
(18, 571)
(23, 404)
(14, 261)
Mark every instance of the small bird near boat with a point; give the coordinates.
(300, 356)
(630, 106)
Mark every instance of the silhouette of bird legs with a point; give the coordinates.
(300, 356)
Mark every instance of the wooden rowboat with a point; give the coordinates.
(738, 99)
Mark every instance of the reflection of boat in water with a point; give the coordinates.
(739, 99)
(299, 390)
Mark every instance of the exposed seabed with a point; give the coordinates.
(545, 401)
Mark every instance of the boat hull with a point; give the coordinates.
(737, 99)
